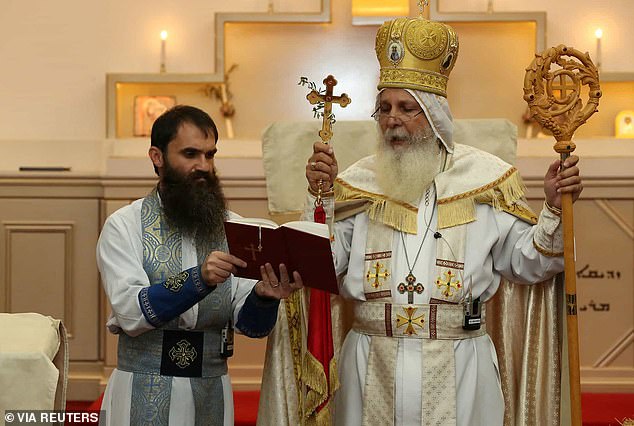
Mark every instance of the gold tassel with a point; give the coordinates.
(314, 377)
(317, 391)
(502, 194)
(398, 215)
(334, 376)
(322, 418)
(512, 189)
(456, 213)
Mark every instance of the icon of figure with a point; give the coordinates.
(153, 109)
(394, 54)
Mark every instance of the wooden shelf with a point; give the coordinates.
(616, 76)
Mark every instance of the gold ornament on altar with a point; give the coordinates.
(415, 53)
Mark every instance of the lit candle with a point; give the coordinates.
(598, 34)
(163, 38)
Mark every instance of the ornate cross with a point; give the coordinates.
(328, 99)
(411, 287)
(410, 321)
(153, 386)
(449, 285)
(253, 249)
(183, 354)
(566, 84)
(377, 275)
(160, 228)
(422, 4)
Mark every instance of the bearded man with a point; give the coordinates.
(169, 279)
(442, 225)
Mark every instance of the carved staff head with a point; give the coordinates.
(553, 88)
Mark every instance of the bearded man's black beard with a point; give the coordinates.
(195, 207)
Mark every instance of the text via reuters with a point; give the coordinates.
(39, 417)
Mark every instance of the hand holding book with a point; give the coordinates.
(301, 246)
(273, 288)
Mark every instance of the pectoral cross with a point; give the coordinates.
(253, 249)
(328, 99)
(410, 288)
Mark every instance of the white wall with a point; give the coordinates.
(573, 22)
(54, 55)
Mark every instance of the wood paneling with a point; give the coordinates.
(50, 227)
(47, 253)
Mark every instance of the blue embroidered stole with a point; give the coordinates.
(151, 392)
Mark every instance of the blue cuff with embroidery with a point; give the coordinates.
(257, 316)
(162, 302)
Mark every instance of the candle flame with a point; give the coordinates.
(163, 35)
(598, 33)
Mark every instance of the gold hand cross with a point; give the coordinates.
(328, 98)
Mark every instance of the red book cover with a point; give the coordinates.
(301, 246)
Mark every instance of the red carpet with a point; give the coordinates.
(603, 409)
(599, 409)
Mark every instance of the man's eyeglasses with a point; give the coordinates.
(401, 116)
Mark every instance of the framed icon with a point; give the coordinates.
(147, 109)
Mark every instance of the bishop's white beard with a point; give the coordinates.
(405, 172)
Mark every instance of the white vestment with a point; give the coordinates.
(120, 261)
(497, 245)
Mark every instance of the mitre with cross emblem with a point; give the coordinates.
(416, 53)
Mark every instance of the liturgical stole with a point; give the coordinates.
(436, 325)
(151, 392)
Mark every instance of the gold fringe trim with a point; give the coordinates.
(502, 194)
(396, 214)
(293, 305)
(499, 181)
(317, 392)
(322, 418)
(334, 376)
(545, 252)
(314, 377)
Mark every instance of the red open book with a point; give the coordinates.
(302, 246)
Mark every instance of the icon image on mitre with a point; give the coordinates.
(395, 52)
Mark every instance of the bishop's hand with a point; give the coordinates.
(322, 165)
(273, 288)
(557, 182)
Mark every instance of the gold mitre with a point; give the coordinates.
(416, 53)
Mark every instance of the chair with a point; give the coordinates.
(33, 362)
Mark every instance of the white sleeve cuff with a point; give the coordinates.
(548, 238)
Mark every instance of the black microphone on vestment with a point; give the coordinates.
(437, 235)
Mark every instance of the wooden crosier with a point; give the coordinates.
(554, 102)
